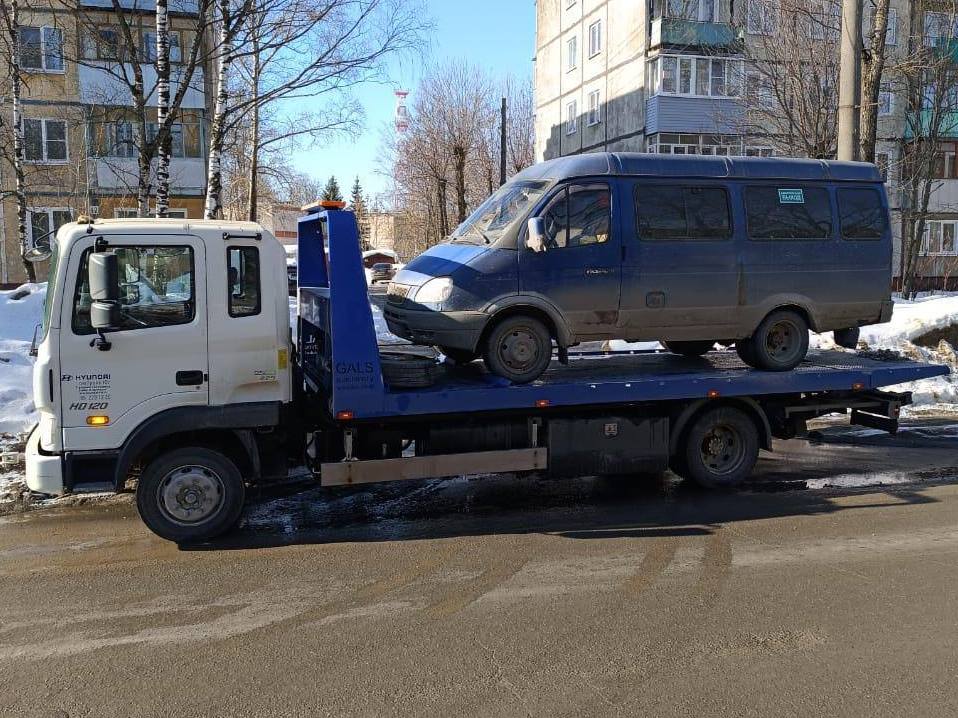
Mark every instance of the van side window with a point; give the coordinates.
(156, 288)
(683, 213)
(578, 216)
(788, 212)
(861, 213)
(244, 287)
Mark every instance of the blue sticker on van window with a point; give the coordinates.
(791, 196)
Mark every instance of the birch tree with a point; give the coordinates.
(10, 14)
(163, 107)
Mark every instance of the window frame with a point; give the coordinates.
(638, 186)
(594, 115)
(832, 216)
(44, 160)
(572, 53)
(595, 38)
(940, 224)
(43, 30)
(49, 212)
(259, 282)
(766, 21)
(571, 117)
(84, 261)
(733, 74)
(885, 92)
(561, 193)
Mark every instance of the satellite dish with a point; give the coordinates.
(39, 253)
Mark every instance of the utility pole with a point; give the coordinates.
(850, 80)
(502, 144)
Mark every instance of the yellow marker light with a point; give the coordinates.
(98, 420)
(282, 359)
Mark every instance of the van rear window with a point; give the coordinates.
(862, 215)
(788, 212)
(683, 213)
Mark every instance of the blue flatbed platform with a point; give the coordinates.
(340, 356)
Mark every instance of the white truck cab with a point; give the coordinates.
(198, 345)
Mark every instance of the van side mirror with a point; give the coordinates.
(104, 275)
(536, 236)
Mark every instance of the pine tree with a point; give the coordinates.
(331, 192)
(357, 203)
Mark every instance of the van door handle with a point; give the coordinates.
(190, 377)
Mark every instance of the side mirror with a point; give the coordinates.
(536, 236)
(104, 276)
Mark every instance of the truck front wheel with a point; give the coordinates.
(720, 448)
(190, 494)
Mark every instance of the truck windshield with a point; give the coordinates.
(493, 217)
(51, 283)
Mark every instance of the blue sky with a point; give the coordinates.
(495, 34)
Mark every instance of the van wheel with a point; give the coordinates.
(690, 349)
(190, 494)
(743, 347)
(518, 348)
(720, 450)
(460, 356)
(781, 341)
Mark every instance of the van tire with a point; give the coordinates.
(781, 341)
(720, 448)
(459, 356)
(519, 349)
(743, 347)
(185, 472)
(690, 349)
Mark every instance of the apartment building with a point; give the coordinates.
(680, 77)
(80, 132)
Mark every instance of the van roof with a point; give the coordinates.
(635, 163)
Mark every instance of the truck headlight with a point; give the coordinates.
(435, 291)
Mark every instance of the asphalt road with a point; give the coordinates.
(504, 596)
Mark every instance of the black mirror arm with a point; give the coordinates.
(101, 342)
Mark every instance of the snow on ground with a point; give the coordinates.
(20, 312)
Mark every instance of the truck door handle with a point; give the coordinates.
(189, 377)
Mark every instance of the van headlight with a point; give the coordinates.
(435, 291)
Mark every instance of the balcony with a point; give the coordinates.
(920, 126)
(679, 32)
(709, 115)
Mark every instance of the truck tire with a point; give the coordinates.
(720, 448)
(459, 356)
(518, 348)
(690, 349)
(190, 494)
(781, 341)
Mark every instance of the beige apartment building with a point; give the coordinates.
(78, 127)
(678, 77)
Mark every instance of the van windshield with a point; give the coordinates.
(493, 217)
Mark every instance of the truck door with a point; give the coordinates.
(157, 359)
(580, 269)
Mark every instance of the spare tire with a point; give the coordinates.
(405, 370)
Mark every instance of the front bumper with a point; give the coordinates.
(456, 330)
(44, 471)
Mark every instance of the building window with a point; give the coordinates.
(939, 26)
(757, 92)
(891, 33)
(824, 20)
(132, 212)
(149, 46)
(758, 151)
(41, 49)
(595, 111)
(571, 113)
(944, 167)
(696, 76)
(107, 44)
(939, 239)
(762, 17)
(595, 38)
(886, 99)
(44, 140)
(44, 222)
(692, 10)
(572, 53)
(883, 162)
(712, 145)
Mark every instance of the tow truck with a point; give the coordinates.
(167, 356)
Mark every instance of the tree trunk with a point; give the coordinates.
(459, 154)
(214, 177)
(441, 206)
(254, 138)
(164, 140)
(16, 86)
(873, 64)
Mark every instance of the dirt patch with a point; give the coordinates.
(931, 339)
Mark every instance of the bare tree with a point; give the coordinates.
(872, 67)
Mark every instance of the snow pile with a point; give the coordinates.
(21, 310)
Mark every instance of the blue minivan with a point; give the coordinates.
(689, 251)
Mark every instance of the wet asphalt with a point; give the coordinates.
(827, 586)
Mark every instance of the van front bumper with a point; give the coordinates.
(44, 470)
(456, 330)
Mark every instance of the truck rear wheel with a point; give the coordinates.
(190, 494)
(518, 348)
(720, 448)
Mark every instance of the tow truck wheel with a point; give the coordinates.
(190, 494)
(519, 348)
(721, 448)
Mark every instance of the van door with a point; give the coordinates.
(579, 269)
(680, 273)
(157, 359)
